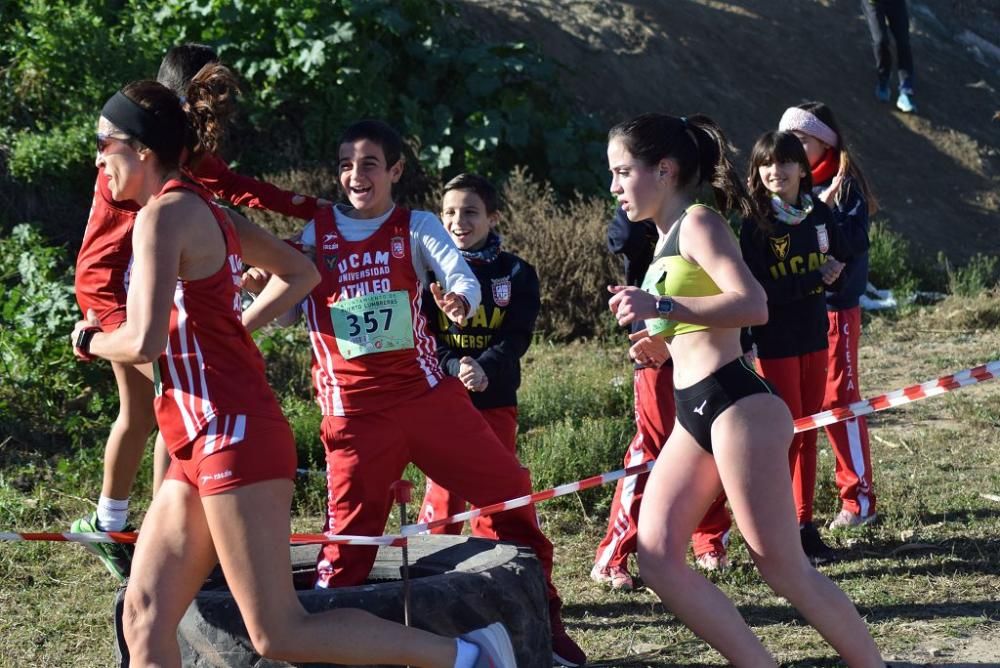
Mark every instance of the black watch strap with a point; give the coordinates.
(83, 339)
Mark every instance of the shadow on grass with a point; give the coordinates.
(656, 659)
(961, 556)
(626, 615)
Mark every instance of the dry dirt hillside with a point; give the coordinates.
(937, 172)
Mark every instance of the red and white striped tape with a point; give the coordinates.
(528, 499)
(906, 395)
(899, 397)
(130, 537)
(864, 407)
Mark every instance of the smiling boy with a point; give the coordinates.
(384, 397)
(485, 353)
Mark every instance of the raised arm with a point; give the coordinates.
(292, 274)
(214, 174)
(436, 253)
(706, 240)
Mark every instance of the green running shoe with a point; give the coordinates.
(117, 557)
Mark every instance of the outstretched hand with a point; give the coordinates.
(830, 194)
(451, 304)
(630, 303)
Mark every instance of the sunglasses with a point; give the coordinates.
(103, 140)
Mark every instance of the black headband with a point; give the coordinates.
(142, 124)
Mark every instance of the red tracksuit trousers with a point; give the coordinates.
(654, 420)
(439, 502)
(447, 438)
(801, 382)
(849, 439)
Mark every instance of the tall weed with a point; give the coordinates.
(978, 275)
(889, 264)
(576, 414)
(567, 244)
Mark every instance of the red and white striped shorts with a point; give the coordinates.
(233, 451)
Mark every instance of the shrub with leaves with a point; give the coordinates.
(309, 67)
(975, 277)
(889, 259)
(567, 244)
(46, 397)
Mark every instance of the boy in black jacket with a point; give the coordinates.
(485, 353)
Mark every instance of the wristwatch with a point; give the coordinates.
(664, 306)
(82, 344)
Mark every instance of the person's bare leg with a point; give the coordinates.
(682, 485)
(161, 462)
(250, 527)
(750, 442)
(173, 556)
(127, 440)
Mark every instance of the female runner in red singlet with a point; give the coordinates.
(227, 494)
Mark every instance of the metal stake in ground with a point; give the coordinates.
(402, 493)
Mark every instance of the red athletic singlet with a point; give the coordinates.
(211, 366)
(103, 263)
(362, 359)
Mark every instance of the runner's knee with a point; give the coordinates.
(142, 626)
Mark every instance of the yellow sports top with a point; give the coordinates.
(670, 275)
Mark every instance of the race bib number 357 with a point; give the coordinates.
(374, 323)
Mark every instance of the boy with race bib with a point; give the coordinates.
(385, 399)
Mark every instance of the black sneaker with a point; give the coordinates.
(116, 557)
(814, 547)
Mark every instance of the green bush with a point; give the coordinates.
(310, 68)
(47, 399)
(977, 276)
(889, 264)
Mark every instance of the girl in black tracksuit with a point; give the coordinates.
(795, 250)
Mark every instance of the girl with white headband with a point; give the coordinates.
(839, 182)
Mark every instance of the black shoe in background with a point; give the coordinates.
(814, 547)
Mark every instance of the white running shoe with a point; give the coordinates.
(712, 561)
(845, 519)
(495, 648)
(617, 577)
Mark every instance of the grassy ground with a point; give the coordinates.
(927, 577)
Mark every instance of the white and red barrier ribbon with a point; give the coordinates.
(857, 409)
(899, 397)
(130, 537)
(89, 537)
(528, 499)
(881, 402)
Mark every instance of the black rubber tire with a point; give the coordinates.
(457, 584)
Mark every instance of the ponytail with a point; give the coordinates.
(210, 103)
(716, 167)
